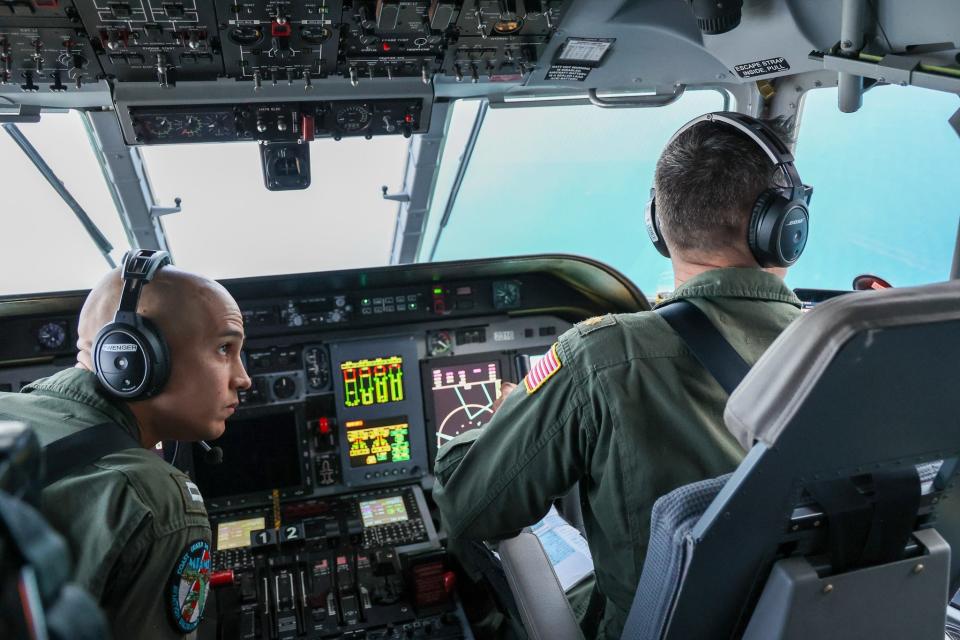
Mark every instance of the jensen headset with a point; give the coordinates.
(130, 356)
(777, 232)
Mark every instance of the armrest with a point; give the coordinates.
(543, 605)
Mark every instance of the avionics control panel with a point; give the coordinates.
(321, 523)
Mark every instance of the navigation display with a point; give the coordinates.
(236, 534)
(462, 396)
(382, 441)
(370, 382)
(383, 511)
(260, 454)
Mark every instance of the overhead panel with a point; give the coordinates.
(166, 41)
(501, 40)
(279, 41)
(43, 47)
(56, 45)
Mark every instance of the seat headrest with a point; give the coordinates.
(778, 384)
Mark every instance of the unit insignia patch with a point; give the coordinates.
(188, 586)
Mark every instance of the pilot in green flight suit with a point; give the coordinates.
(137, 527)
(619, 405)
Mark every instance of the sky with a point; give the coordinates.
(570, 179)
(575, 179)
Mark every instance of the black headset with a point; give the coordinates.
(779, 222)
(130, 356)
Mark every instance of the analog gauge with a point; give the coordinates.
(218, 125)
(506, 294)
(52, 335)
(317, 365)
(439, 343)
(190, 127)
(354, 118)
(156, 126)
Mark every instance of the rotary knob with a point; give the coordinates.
(284, 387)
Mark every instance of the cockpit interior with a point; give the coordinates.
(517, 144)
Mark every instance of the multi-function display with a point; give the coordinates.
(236, 534)
(373, 442)
(462, 396)
(383, 511)
(370, 382)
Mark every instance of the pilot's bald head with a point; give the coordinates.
(203, 328)
(178, 302)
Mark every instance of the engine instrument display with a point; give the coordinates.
(381, 441)
(463, 396)
(236, 534)
(383, 511)
(371, 382)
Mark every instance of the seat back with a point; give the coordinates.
(835, 415)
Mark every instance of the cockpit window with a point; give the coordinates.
(570, 179)
(885, 188)
(231, 226)
(43, 247)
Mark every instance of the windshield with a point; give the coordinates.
(570, 179)
(231, 226)
(564, 179)
(43, 247)
(575, 179)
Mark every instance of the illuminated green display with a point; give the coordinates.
(378, 441)
(372, 382)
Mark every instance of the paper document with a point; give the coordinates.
(566, 549)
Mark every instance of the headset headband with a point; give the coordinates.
(766, 138)
(139, 268)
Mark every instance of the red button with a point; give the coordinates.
(324, 425)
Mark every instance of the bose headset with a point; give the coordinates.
(130, 356)
(779, 221)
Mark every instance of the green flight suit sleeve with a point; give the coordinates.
(495, 481)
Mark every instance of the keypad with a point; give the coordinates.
(395, 534)
(232, 559)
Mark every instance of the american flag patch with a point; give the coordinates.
(548, 365)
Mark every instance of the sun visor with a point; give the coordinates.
(777, 385)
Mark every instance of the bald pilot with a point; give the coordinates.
(136, 526)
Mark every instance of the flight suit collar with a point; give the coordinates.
(735, 282)
(81, 386)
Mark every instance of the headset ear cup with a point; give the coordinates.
(159, 355)
(760, 206)
(144, 369)
(122, 360)
(653, 227)
(773, 219)
(762, 236)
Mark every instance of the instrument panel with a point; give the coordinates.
(337, 413)
(321, 508)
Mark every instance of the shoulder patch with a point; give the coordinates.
(188, 586)
(192, 499)
(597, 322)
(548, 365)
